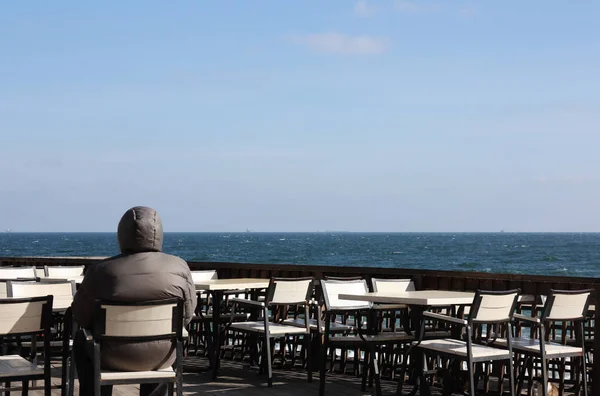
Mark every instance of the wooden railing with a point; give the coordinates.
(424, 279)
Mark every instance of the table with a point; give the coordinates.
(419, 301)
(217, 287)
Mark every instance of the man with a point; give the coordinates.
(140, 273)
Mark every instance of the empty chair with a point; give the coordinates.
(334, 307)
(63, 272)
(62, 292)
(495, 310)
(26, 317)
(281, 293)
(560, 306)
(140, 322)
(40, 272)
(204, 275)
(3, 288)
(392, 285)
(17, 272)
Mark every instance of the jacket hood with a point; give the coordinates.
(140, 230)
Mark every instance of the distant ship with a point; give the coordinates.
(248, 230)
(8, 230)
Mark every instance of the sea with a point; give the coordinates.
(562, 254)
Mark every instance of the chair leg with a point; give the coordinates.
(402, 372)
(376, 378)
(544, 364)
(170, 388)
(267, 355)
(472, 389)
(71, 375)
(25, 385)
(7, 386)
(307, 348)
(511, 377)
(323, 369)
(584, 374)
(365, 373)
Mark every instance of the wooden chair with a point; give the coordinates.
(138, 322)
(281, 293)
(492, 309)
(560, 306)
(26, 317)
(63, 272)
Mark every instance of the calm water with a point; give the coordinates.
(572, 254)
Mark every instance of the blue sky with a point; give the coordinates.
(301, 116)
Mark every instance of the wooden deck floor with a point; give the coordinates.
(236, 379)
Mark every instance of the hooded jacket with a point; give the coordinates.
(140, 273)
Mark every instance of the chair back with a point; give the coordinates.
(566, 305)
(139, 321)
(17, 272)
(494, 306)
(289, 291)
(198, 276)
(392, 285)
(25, 315)
(62, 292)
(63, 272)
(333, 288)
(40, 272)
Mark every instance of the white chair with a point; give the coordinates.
(62, 293)
(3, 289)
(493, 309)
(360, 336)
(26, 317)
(392, 285)
(140, 322)
(66, 272)
(281, 292)
(203, 275)
(17, 273)
(560, 306)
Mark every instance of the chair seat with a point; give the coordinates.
(553, 349)
(274, 328)
(15, 365)
(224, 318)
(382, 338)
(108, 375)
(459, 348)
(334, 328)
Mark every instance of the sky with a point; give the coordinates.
(396, 115)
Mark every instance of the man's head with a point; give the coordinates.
(140, 230)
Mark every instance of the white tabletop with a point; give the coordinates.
(419, 297)
(232, 284)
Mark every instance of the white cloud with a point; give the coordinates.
(362, 9)
(336, 43)
(414, 6)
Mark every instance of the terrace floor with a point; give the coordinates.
(236, 378)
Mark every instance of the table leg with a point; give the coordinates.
(215, 347)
